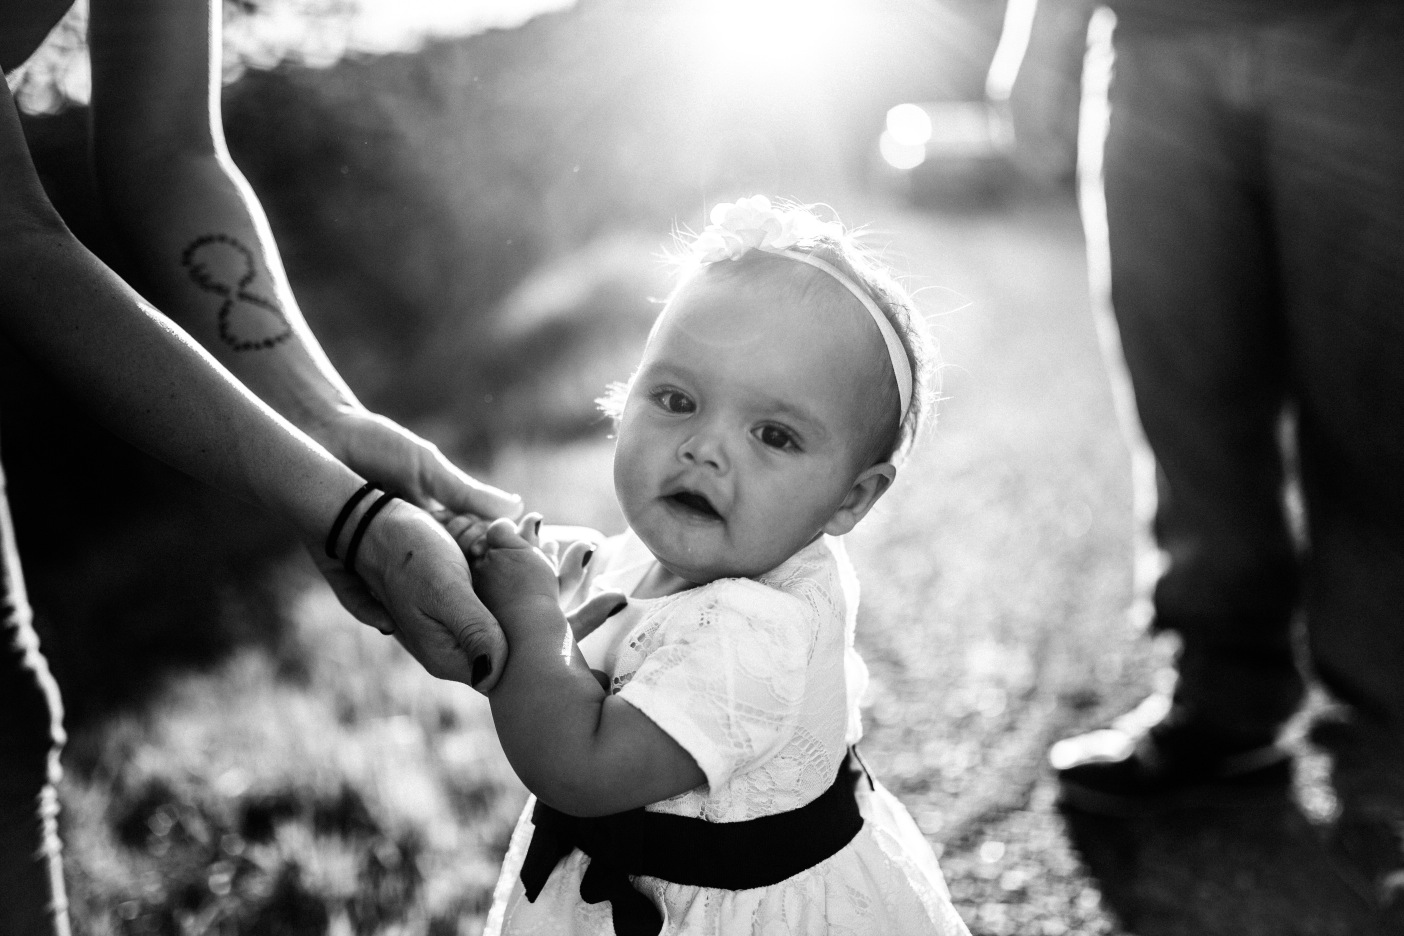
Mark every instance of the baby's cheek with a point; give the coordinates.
(630, 482)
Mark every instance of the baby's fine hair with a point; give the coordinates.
(842, 249)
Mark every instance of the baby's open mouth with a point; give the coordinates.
(695, 503)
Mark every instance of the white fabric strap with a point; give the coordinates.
(901, 367)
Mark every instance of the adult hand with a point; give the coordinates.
(387, 453)
(569, 549)
(593, 612)
(413, 581)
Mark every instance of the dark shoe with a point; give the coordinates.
(1369, 846)
(1157, 758)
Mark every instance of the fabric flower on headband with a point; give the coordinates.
(755, 223)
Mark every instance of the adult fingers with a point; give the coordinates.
(461, 493)
(441, 621)
(595, 612)
(354, 596)
(417, 570)
(570, 568)
(529, 528)
(479, 638)
(577, 555)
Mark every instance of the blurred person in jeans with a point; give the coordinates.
(1242, 175)
(254, 408)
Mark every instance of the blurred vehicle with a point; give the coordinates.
(957, 153)
(960, 153)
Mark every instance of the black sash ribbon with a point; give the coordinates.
(686, 850)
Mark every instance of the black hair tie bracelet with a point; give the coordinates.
(380, 504)
(345, 515)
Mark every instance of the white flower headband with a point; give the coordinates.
(754, 224)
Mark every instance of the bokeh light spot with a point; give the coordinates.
(900, 155)
(909, 125)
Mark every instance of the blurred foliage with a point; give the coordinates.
(330, 786)
(412, 193)
(263, 34)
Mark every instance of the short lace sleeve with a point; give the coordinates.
(725, 676)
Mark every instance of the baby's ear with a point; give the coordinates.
(867, 488)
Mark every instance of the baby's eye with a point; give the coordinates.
(777, 437)
(673, 401)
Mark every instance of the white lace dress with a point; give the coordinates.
(758, 680)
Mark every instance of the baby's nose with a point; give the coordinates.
(705, 449)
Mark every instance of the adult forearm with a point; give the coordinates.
(199, 239)
(143, 378)
(205, 255)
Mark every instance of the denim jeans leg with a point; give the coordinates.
(32, 898)
(1186, 249)
(1337, 166)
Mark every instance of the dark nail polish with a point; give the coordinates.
(537, 527)
(482, 669)
(617, 608)
(586, 557)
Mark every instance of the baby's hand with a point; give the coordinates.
(511, 569)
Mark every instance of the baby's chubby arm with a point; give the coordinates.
(577, 748)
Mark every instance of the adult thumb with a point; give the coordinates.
(464, 494)
(484, 645)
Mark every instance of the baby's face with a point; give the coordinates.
(743, 431)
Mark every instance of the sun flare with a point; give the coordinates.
(770, 40)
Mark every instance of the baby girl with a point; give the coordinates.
(691, 758)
